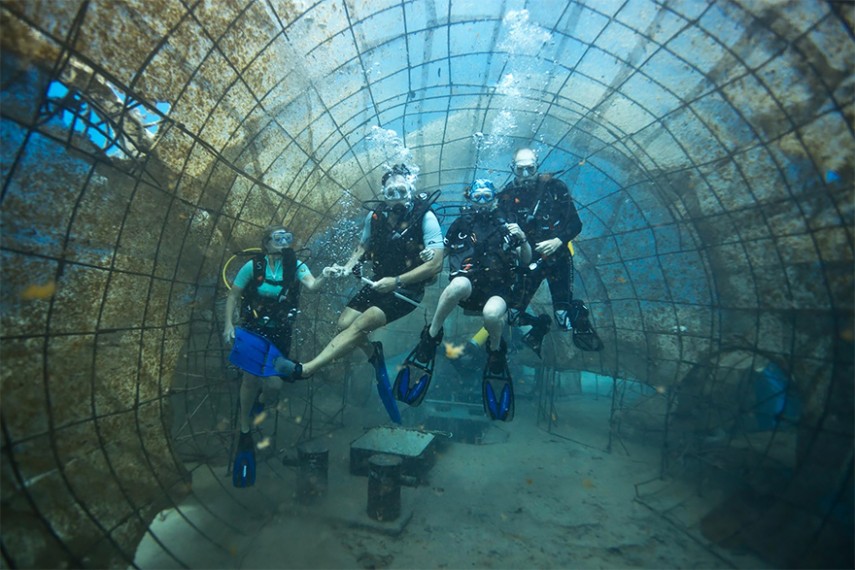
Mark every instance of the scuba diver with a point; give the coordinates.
(484, 253)
(269, 287)
(542, 206)
(402, 238)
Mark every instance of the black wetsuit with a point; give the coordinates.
(394, 249)
(544, 210)
(480, 248)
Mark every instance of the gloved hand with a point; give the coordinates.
(427, 254)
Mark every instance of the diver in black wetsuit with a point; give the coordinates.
(542, 206)
(397, 234)
(484, 253)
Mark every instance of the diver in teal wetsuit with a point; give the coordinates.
(269, 286)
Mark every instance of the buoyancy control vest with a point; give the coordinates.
(394, 248)
(543, 208)
(480, 247)
(283, 307)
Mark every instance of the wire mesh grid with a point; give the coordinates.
(140, 311)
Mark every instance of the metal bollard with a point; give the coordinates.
(313, 460)
(384, 487)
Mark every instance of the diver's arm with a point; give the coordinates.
(565, 210)
(573, 225)
(548, 246)
(420, 273)
(354, 258)
(336, 270)
(525, 253)
(432, 240)
(524, 249)
(311, 282)
(235, 293)
(424, 271)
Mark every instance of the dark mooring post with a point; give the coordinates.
(384, 487)
(313, 459)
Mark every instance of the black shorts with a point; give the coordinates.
(393, 307)
(481, 293)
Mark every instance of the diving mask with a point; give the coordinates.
(482, 192)
(282, 238)
(524, 170)
(524, 164)
(482, 196)
(397, 191)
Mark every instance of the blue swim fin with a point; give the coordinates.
(243, 472)
(499, 407)
(497, 389)
(421, 358)
(254, 353)
(288, 370)
(411, 394)
(384, 389)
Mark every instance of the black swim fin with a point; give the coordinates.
(497, 389)
(420, 360)
(534, 337)
(584, 335)
(243, 472)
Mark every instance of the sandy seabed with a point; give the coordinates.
(524, 498)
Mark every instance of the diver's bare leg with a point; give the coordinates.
(249, 387)
(495, 314)
(458, 290)
(354, 335)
